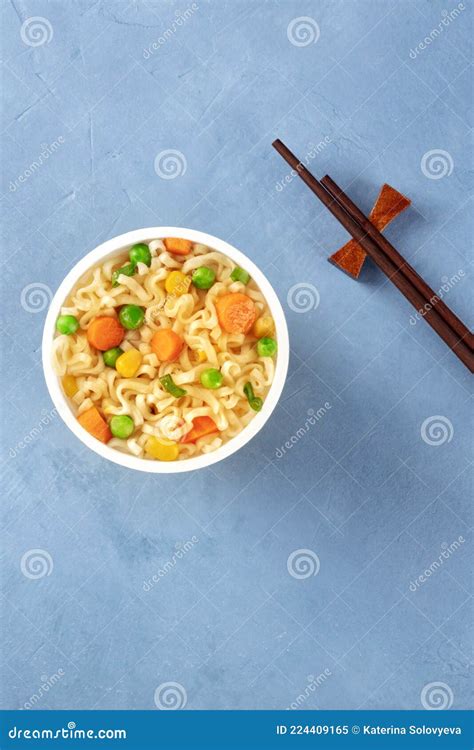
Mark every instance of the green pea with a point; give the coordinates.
(266, 347)
(127, 270)
(140, 254)
(203, 277)
(112, 355)
(239, 274)
(121, 426)
(131, 316)
(67, 324)
(211, 378)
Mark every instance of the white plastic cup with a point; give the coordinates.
(113, 247)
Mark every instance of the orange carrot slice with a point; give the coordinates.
(105, 332)
(177, 246)
(236, 312)
(95, 424)
(201, 426)
(166, 344)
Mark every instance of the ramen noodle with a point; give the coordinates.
(165, 351)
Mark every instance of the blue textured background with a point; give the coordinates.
(362, 489)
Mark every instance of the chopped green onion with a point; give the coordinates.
(127, 270)
(238, 274)
(255, 402)
(169, 385)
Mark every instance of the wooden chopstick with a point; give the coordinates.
(418, 282)
(389, 268)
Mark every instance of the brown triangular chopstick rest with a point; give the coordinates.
(350, 258)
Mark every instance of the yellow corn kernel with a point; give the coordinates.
(199, 356)
(128, 363)
(177, 283)
(162, 448)
(70, 385)
(263, 326)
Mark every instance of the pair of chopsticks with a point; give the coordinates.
(436, 313)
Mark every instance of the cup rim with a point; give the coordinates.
(112, 246)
